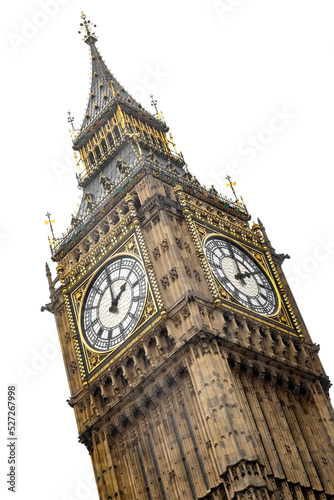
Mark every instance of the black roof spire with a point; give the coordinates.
(104, 86)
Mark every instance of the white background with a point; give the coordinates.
(221, 70)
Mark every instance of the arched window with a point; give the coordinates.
(104, 146)
(91, 159)
(120, 374)
(136, 202)
(116, 132)
(98, 152)
(142, 355)
(110, 140)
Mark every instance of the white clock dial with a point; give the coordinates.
(241, 276)
(113, 303)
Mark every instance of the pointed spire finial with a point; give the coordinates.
(89, 36)
(49, 221)
(73, 133)
(70, 119)
(154, 103)
(231, 184)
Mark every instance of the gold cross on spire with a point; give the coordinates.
(50, 222)
(231, 184)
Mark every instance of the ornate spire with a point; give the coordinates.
(104, 86)
(87, 26)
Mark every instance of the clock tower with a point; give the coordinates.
(191, 372)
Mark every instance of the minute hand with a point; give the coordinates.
(110, 288)
(230, 247)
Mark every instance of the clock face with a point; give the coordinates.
(113, 303)
(241, 276)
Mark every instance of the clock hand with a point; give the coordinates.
(114, 304)
(109, 284)
(240, 276)
(230, 247)
(121, 290)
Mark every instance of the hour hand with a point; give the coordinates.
(240, 276)
(114, 303)
(121, 290)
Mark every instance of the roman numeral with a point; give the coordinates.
(90, 308)
(249, 302)
(130, 272)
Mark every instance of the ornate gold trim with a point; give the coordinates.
(91, 278)
(262, 265)
(202, 222)
(135, 247)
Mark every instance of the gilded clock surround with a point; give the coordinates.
(107, 314)
(259, 257)
(205, 399)
(204, 222)
(90, 359)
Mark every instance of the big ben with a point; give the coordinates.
(191, 371)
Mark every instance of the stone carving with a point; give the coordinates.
(197, 276)
(156, 253)
(179, 243)
(173, 274)
(73, 366)
(164, 246)
(164, 282)
(106, 184)
(187, 247)
(67, 337)
(89, 201)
